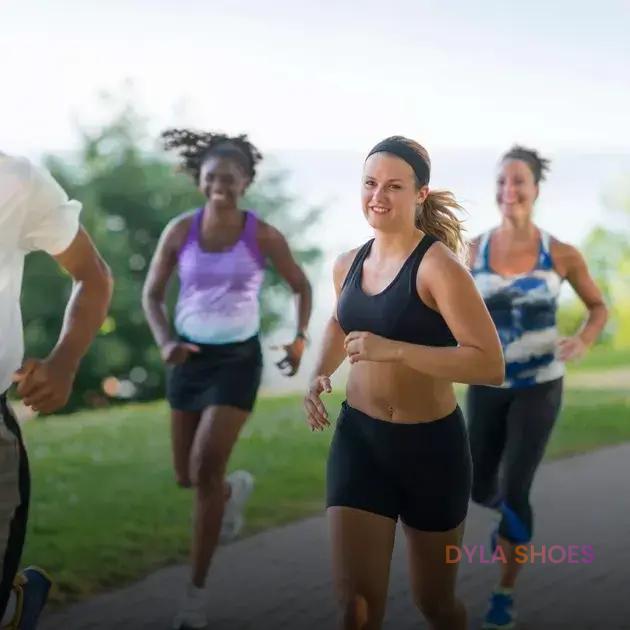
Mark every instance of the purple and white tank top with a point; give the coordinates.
(218, 299)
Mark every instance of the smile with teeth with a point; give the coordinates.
(379, 209)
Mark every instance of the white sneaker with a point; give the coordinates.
(192, 612)
(242, 483)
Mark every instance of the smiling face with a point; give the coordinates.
(222, 181)
(516, 189)
(389, 193)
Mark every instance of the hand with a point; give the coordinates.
(292, 360)
(316, 414)
(177, 352)
(571, 348)
(44, 385)
(366, 346)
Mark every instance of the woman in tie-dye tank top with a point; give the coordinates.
(518, 269)
(213, 354)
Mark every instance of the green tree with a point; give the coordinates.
(607, 252)
(129, 193)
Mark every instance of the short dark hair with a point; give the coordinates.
(195, 147)
(538, 164)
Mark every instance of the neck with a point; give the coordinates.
(518, 228)
(221, 213)
(395, 244)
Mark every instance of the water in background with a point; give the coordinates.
(570, 205)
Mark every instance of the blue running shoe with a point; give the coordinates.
(31, 588)
(500, 615)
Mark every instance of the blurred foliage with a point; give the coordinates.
(607, 252)
(129, 193)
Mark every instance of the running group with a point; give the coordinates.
(418, 308)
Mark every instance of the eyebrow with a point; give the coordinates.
(395, 179)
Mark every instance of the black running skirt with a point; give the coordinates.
(221, 374)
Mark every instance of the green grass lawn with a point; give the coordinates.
(602, 358)
(105, 509)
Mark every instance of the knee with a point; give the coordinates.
(182, 479)
(206, 472)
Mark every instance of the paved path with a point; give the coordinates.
(280, 579)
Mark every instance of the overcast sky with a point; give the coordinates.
(324, 75)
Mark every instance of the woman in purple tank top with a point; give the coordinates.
(213, 350)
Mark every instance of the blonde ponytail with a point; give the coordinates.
(437, 217)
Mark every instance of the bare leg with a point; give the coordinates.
(183, 428)
(362, 545)
(213, 443)
(433, 579)
(511, 568)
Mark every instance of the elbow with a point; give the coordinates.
(107, 278)
(495, 373)
(152, 297)
(303, 287)
(495, 378)
(100, 282)
(148, 299)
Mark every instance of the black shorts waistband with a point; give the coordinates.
(385, 425)
(222, 347)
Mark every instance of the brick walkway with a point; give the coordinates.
(280, 579)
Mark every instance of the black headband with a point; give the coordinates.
(405, 152)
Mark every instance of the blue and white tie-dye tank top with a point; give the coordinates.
(523, 308)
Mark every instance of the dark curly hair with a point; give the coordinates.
(538, 164)
(195, 147)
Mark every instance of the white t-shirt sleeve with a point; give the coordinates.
(50, 219)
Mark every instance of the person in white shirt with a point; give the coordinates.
(36, 214)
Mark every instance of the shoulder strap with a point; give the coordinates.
(357, 263)
(195, 225)
(249, 236)
(416, 257)
(544, 258)
(192, 237)
(482, 259)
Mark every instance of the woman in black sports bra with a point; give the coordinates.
(411, 322)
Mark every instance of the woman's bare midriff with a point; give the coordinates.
(396, 393)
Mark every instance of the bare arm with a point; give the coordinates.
(478, 358)
(275, 246)
(89, 301)
(577, 273)
(161, 268)
(331, 353)
(448, 287)
(46, 385)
